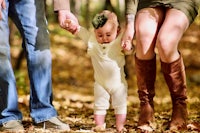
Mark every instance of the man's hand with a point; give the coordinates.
(64, 16)
(2, 6)
(71, 26)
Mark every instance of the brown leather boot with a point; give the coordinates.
(146, 75)
(174, 74)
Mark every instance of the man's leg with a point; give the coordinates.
(36, 44)
(10, 116)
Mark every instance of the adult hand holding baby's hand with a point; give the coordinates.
(71, 26)
(127, 46)
(68, 21)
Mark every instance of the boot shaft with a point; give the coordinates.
(174, 74)
(146, 76)
(175, 77)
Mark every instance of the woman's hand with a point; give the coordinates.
(129, 32)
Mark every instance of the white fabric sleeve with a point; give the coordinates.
(83, 34)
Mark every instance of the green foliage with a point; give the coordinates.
(21, 82)
(197, 20)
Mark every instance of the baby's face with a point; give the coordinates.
(107, 33)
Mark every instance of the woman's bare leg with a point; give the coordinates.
(170, 33)
(147, 26)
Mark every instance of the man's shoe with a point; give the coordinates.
(54, 123)
(13, 126)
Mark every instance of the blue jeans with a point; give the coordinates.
(29, 17)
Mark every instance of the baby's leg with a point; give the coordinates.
(99, 119)
(101, 104)
(99, 122)
(119, 103)
(120, 121)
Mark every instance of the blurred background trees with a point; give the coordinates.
(86, 9)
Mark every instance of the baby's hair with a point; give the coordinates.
(101, 18)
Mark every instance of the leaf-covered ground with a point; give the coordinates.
(72, 78)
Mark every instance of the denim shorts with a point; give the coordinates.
(189, 7)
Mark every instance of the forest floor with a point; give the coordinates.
(72, 78)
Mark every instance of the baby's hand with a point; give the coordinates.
(71, 26)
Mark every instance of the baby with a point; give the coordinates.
(108, 60)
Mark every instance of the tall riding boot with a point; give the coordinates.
(146, 75)
(174, 74)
